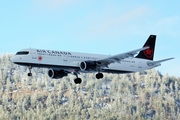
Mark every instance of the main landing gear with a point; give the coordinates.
(99, 75)
(79, 80)
(29, 74)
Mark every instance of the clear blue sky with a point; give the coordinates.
(105, 27)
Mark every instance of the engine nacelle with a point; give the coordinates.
(56, 74)
(88, 65)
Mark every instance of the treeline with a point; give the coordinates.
(141, 95)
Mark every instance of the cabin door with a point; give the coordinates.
(34, 54)
(65, 58)
(140, 65)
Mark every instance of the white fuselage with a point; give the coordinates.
(71, 60)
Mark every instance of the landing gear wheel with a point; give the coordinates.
(99, 75)
(77, 81)
(29, 74)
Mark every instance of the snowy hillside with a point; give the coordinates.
(142, 95)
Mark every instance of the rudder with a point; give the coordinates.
(148, 53)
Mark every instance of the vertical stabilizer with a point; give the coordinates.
(148, 53)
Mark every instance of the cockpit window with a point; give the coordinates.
(22, 53)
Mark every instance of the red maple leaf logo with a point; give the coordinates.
(39, 58)
(148, 52)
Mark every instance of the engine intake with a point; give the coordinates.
(88, 65)
(56, 74)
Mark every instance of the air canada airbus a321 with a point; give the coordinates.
(62, 63)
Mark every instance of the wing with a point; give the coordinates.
(117, 58)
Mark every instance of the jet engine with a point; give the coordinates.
(56, 74)
(88, 65)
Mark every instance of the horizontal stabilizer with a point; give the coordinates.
(151, 63)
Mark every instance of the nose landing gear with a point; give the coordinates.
(29, 74)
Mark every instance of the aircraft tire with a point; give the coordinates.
(99, 75)
(29, 74)
(77, 81)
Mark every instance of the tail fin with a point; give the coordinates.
(148, 53)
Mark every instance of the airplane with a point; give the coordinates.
(62, 63)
